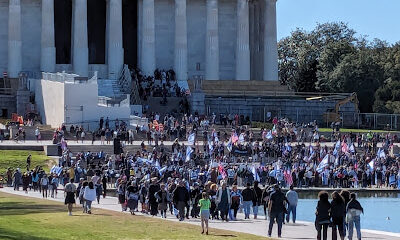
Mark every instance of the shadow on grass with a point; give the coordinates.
(25, 208)
(7, 234)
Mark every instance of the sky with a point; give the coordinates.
(374, 18)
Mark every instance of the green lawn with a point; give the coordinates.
(17, 158)
(35, 219)
(347, 130)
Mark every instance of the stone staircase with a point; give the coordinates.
(171, 107)
(109, 88)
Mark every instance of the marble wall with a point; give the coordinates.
(165, 28)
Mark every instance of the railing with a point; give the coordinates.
(68, 77)
(129, 85)
(261, 93)
(123, 100)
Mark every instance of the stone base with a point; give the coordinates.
(197, 102)
(22, 101)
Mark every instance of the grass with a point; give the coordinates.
(23, 218)
(17, 159)
(348, 130)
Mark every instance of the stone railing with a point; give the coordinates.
(68, 77)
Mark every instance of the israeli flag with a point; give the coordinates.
(352, 148)
(371, 164)
(210, 146)
(189, 152)
(381, 153)
(241, 138)
(323, 164)
(229, 146)
(162, 170)
(157, 165)
(269, 135)
(255, 174)
(191, 138)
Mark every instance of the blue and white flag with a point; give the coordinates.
(269, 135)
(157, 165)
(191, 138)
(162, 170)
(352, 148)
(210, 146)
(371, 164)
(255, 174)
(381, 153)
(229, 145)
(323, 164)
(241, 138)
(189, 152)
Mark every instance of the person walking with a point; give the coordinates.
(204, 204)
(236, 202)
(354, 211)
(322, 220)
(181, 197)
(163, 200)
(338, 210)
(44, 183)
(153, 189)
(257, 198)
(276, 210)
(70, 190)
(248, 198)
(292, 198)
(89, 195)
(223, 201)
(132, 194)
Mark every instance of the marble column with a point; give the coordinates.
(242, 41)
(115, 47)
(48, 51)
(148, 39)
(140, 33)
(80, 39)
(212, 41)
(270, 42)
(14, 39)
(180, 60)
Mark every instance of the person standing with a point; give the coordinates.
(37, 134)
(292, 198)
(248, 198)
(223, 201)
(28, 162)
(276, 210)
(70, 190)
(44, 183)
(17, 179)
(204, 205)
(354, 211)
(322, 213)
(338, 210)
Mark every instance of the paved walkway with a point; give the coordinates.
(300, 230)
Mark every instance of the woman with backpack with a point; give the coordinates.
(354, 211)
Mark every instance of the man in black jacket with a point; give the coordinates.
(248, 198)
(257, 198)
(276, 210)
(181, 197)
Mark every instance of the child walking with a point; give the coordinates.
(204, 205)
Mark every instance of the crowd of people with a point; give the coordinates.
(212, 172)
